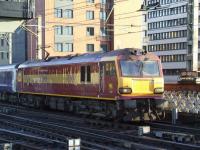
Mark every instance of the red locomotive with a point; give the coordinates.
(125, 83)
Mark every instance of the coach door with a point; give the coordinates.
(108, 79)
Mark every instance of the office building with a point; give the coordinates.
(167, 35)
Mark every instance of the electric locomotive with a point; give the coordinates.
(126, 84)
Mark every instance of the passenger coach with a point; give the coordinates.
(8, 78)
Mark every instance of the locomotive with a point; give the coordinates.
(126, 84)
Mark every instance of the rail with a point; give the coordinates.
(95, 137)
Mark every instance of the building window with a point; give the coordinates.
(2, 55)
(58, 30)
(90, 15)
(173, 72)
(103, 1)
(103, 15)
(90, 1)
(58, 13)
(168, 35)
(90, 31)
(68, 30)
(103, 32)
(173, 58)
(90, 47)
(104, 47)
(68, 13)
(59, 47)
(68, 47)
(167, 47)
(167, 23)
(64, 47)
(167, 12)
(2, 42)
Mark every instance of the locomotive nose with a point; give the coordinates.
(143, 86)
(148, 86)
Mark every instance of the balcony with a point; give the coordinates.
(106, 6)
(16, 9)
(103, 38)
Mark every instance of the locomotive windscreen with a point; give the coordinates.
(139, 68)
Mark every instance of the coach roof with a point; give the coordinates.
(9, 67)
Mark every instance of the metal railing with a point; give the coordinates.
(184, 101)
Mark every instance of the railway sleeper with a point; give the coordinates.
(177, 137)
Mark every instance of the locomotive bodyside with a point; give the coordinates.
(78, 78)
(61, 80)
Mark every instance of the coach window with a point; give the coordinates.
(85, 74)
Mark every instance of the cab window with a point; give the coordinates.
(110, 69)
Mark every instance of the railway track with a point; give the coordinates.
(102, 135)
(176, 128)
(86, 134)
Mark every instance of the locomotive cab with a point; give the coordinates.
(140, 78)
(141, 84)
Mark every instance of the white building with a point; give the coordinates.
(167, 35)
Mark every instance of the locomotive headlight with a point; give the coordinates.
(158, 90)
(125, 90)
